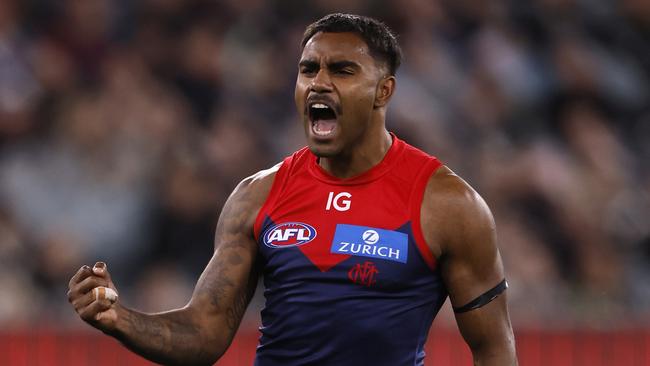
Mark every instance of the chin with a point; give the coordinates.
(322, 150)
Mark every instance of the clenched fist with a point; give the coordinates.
(94, 297)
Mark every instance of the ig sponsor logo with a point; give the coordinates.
(341, 201)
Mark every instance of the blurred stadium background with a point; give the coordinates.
(125, 124)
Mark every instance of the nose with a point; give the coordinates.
(321, 83)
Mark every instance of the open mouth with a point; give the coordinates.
(323, 119)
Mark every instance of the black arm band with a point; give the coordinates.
(483, 299)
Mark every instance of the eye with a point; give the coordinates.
(345, 71)
(307, 70)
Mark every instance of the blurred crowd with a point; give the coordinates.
(124, 125)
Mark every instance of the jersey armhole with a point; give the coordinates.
(276, 188)
(416, 207)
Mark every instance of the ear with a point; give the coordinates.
(385, 90)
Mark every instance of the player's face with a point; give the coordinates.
(335, 92)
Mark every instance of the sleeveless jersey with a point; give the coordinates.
(349, 279)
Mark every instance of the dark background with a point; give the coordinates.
(124, 125)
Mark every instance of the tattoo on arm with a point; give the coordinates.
(224, 286)
(230, 281)
(235, 313)
(168, 338)
(200, 332)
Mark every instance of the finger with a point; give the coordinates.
(82, 301)
(82, 273)
(79, 286)
(89, 283)
(100, 269)
(90, 312)
(101, 293)
(98, 293)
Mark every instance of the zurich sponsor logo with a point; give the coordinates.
(370, 236)
(288, 234)
(370, 242)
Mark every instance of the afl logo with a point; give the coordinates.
(289, 234)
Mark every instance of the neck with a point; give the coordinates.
(359, 160)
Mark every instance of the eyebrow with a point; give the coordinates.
(308, 63)
(336, 65)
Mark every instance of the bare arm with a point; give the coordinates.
(460, 228)
(200, 332)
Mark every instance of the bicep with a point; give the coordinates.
(226, 286)
(473, 273)
(471, 262)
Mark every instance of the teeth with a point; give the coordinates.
(322, 133)
(319, 106)
(323, 129)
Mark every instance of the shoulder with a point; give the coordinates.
(447, 188)
(257, 186)
(453, 213)
(249, 196)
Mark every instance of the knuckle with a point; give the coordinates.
(104, 304)
(91, 282)
(85, 315)
(88, 314)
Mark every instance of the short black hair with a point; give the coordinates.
(380, 39)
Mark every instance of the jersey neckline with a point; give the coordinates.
(377, 171)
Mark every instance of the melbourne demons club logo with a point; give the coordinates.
(289, 234)
(363, 274)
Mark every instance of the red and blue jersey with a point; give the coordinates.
(349, 279)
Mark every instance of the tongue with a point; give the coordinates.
(324, 126)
